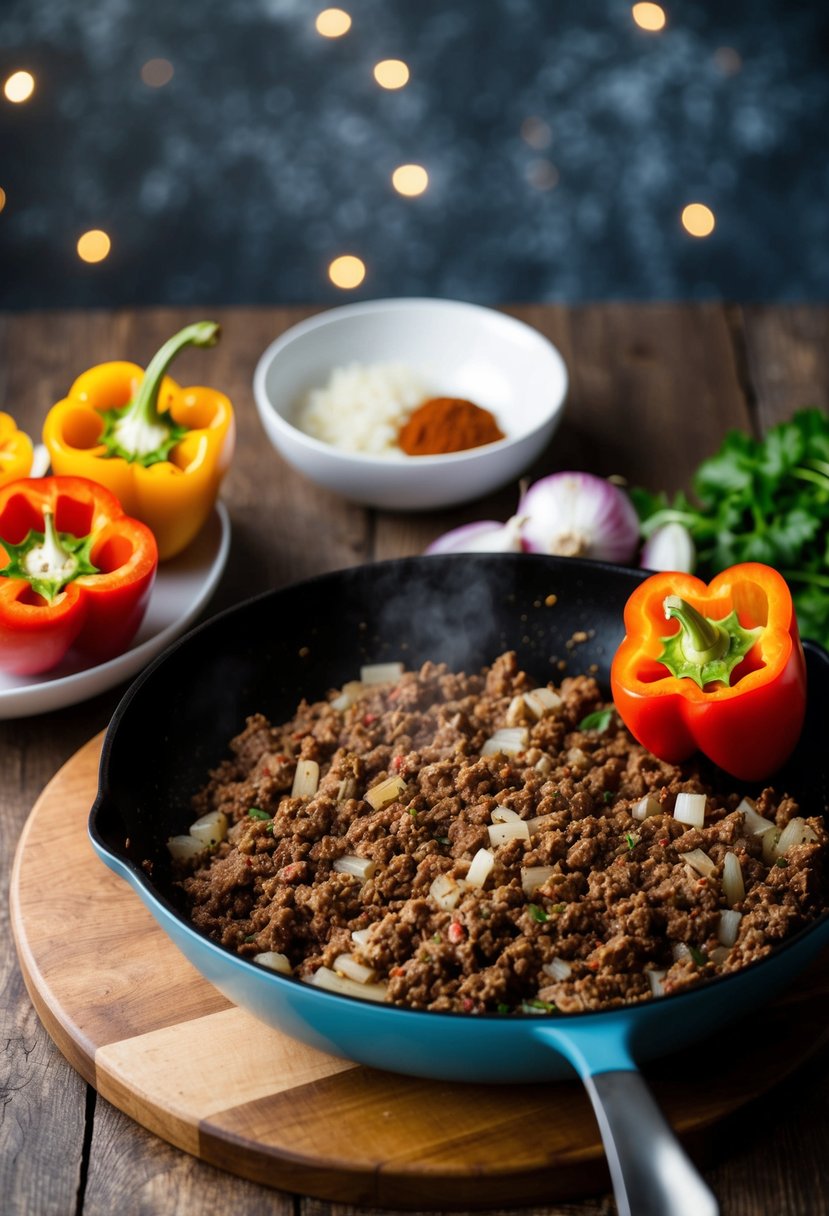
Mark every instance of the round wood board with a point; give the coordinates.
(154, 1038)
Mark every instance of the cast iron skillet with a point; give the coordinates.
(465, 610)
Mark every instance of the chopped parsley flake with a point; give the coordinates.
(631, 839)
(599, 720)
(538, 914)
(782, 862)
(608, 795)
(503, 1008)
(699, 957)
(255, 813)
(536, 1005)
(442, 839)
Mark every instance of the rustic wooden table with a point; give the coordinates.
(653, 389)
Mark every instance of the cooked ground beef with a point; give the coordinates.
(616, 901)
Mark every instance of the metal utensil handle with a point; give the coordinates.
(652, 1175)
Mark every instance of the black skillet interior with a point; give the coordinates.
(561, 616)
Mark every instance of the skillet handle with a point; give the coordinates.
(651, 1173)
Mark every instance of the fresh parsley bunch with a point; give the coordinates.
(762, 500)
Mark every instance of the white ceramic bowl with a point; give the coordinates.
(461, 350)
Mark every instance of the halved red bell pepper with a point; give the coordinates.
(78, 572)
(726, 677)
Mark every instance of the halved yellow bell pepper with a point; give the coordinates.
(15, 451)
(162, 450)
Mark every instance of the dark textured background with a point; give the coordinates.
(270, 151)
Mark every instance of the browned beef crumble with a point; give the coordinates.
(618, 903)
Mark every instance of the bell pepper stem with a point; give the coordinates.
(140, 431)
(702, 641)
(144, 405)
(49, 560)
(703, 650)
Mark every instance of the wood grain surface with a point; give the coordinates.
(654, 387)
(156, 1040)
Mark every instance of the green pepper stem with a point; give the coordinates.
(702, 641)
(144, 406)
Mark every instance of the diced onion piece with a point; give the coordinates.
(544, 765)
(646, 807)
(306, 779)
(718, 955)
(386, 792)
(656, 979)
(500, 833)
(734, 889)
(515, 712)
(347, 790)
(538, 823)
(510, 741)
(347, 964)
(446, 892)
(770, 841)
(381, 673)
(679, 950)
(690, 809)
(350, 694)
(360, 936)
(796, 831)
(754, 823)
(728, 926)
(211, 828)
(533, 877)
(275, 961)
(541, 700)
(558, 968)
(184, 848)
(479, 868)
(503, 814)
(359, 867)
(324, 977)
(699, 861)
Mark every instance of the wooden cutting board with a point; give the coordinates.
(153, 1037)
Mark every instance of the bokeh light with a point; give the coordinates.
(536, 132)
(94, 245)
(157, 72)
(391, 73)
(727, 60)
(698, 220)
(347, 271)
(542, 174)
(333, 22)
(649, 17)
(410, 180)
(19, 86)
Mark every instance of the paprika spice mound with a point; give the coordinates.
(447, 424)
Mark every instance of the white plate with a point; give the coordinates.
(182, 588)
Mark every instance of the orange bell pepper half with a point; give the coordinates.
(161, 450)
(78, 572)
(717, 668)
(15, 451)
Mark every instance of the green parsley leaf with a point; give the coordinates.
(698, 956)
(538, 914)
(255, 813)
(782, 862)
(608, 795)
(762, 500)
(504, 1008)
(442, 839)
(536, 1005)
(631, 840)
(599, 720)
